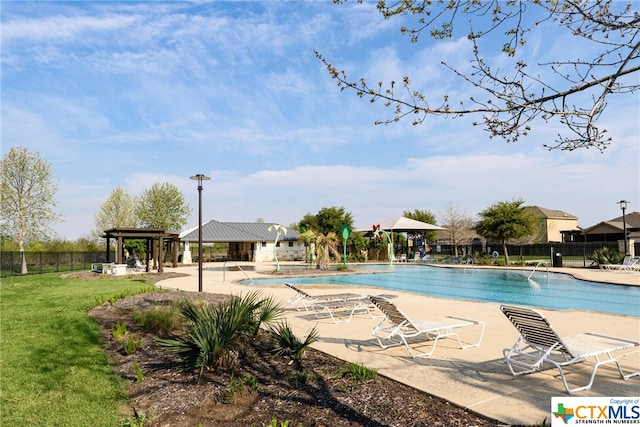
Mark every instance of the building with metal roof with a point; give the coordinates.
(248, 241)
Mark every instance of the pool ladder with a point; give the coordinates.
(469, 263)
(536, 267)
(224, 271)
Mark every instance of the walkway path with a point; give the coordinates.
(476, 378)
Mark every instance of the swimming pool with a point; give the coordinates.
(552, 290)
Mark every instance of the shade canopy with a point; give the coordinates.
(403, 224)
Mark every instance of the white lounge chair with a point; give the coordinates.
(629, 264)
(342, 311)
(396, 328)
(428, 258)
(539, 343)
(307, 301)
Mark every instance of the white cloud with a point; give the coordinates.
(136, 93)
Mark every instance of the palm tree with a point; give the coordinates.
(326, 244)
(310, 238)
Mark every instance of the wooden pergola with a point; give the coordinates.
(155, 238)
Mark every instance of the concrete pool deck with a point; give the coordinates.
(476, 378)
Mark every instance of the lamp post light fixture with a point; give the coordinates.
(623, 206)
(200, 177)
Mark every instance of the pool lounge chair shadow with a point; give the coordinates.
(492, 374)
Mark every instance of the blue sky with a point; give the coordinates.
(132, 93)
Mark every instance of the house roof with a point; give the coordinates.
(552, 213)
(215, 231)
(615, 225)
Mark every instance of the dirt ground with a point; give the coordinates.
(316, 392)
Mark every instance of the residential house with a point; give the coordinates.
(553, 224)
(613, 231)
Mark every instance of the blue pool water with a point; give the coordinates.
(552, 290)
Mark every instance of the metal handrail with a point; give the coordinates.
(536, 267)
(470, 261)
(224, 271)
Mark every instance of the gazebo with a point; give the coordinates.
(155, 238)
(401, 224)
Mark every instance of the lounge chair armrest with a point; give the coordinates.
(613, 337)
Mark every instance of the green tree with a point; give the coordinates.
(322, 231)
(327, 220)
(27, 198)
(505, 220)
(424, 216)
(360, 245)
(117, 211)
(511, 93)
(163, 206)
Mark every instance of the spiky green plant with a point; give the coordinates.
(287, 344)
(214, 333)
(604, 256)
(138, 370)
(358, 372)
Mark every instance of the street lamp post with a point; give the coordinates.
(623, 206)
(200, 177)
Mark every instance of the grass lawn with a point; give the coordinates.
(53, 371)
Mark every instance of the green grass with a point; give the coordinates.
(53, 369)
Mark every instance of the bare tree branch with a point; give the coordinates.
(515, 102)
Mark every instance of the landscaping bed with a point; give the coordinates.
(320, 390)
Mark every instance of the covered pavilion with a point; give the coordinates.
(155, 239)
(401, 224)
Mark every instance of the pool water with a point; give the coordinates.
(545, 290)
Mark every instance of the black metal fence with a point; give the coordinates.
(573, 255)
(49, 262)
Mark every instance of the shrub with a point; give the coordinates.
(358, 372)
(118, 330)
(248, 383)
(158, 320)
(299, 379)
(286, 344)
(215, 333)
(129, 343)
(605, 256)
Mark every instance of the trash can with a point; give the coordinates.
(557, 260)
